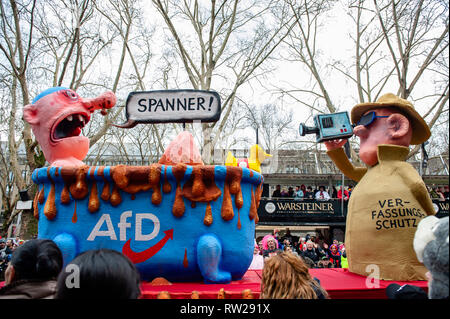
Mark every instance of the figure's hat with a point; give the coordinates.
(421, 131)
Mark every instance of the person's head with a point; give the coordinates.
(278, 187)
(334, 248)
(325, 261)
(37, 259)
(335, 241)
(288, 231)
(297, 188)
(2, 243)
(321, 188)
(9, 243)
(286, 276)
(309, 245)
(271, 243)
(390, 120)
(288, 248)
(309, 188)
(103, 274)
(303, 187)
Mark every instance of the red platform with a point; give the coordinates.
(339, 283)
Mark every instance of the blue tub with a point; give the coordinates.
(183, 223)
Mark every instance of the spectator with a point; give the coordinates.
(3, 259)
(290, 192)
(288, 248)
(303, 189)
(324, 263)
(277, 191)
(334, 193)
(276, 234)
(440, 192)
(286, 276)
(335, 256)
(446, 192)
(311, 252)
(284, 192)
(103, 274)
(301, 245)
(345, 196)
(350, 190)
(32, 272)
(309, 194)
(344, 261)
(9, 247)
(272, 249)
(433, 193)
(260, 247)
(322, 194)
(258, 259)
(298, 195)
(288, 235)
(2, 248)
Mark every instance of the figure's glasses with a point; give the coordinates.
(368, 118)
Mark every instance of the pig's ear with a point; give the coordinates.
(30, 113)
(398, 126)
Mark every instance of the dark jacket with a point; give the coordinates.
(29, 289)
(313, 254)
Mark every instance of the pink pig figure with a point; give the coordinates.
(57, 116)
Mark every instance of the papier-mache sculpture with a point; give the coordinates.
(57, 116)
(178, 218)
(390, 198)
(431, 246)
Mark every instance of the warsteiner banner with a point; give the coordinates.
(279, 210)
(310, 211)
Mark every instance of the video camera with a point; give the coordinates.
(329, 127)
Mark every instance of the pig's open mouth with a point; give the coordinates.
(69, 126)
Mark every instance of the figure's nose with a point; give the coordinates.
(361, 131)
(102, 102)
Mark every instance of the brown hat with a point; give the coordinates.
(421, 131)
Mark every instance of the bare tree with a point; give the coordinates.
(398, 46)
(231, 40)
(64, 43)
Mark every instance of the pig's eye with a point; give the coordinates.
(71, 95)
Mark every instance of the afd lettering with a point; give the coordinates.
(123, 225)
(305, 206)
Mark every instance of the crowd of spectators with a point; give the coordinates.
(314, 251)
(7, 247)
(439, 192)
(307, 192)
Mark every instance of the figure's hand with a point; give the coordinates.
(334, 144)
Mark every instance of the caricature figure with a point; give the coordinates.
(57, 116)
(390, 198)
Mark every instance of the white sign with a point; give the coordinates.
(171, 106)
(24, 205)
